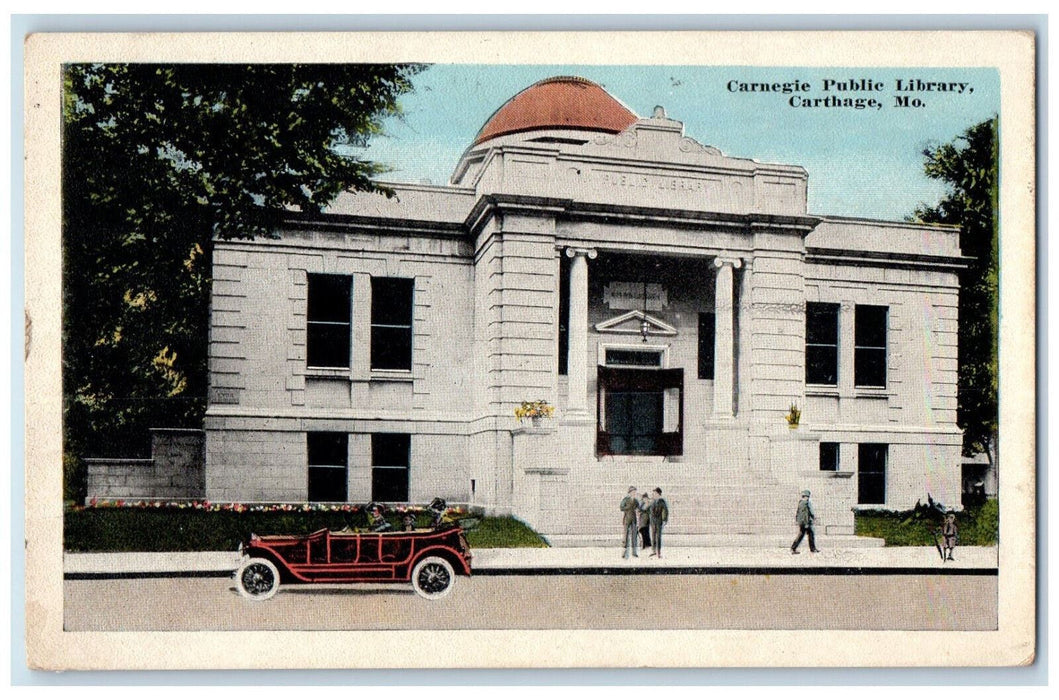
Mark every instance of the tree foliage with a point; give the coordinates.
(158, 160)
(969, 166)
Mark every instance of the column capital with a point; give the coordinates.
(589, 253)
(722, 260)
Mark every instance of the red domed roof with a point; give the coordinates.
(559, 103)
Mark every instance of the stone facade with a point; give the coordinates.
(581, 267)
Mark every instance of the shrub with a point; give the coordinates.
(75, 479)
(978, 526)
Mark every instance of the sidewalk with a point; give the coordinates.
(588, 560)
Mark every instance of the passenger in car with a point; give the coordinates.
(438, 507)
(377, 520)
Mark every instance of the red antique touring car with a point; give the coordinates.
(430, 559)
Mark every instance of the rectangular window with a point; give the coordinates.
(389, 467)
(328, 321)
(869, 346)
(564, 316)
(391, 323)
(328, 459)
(829, 456)
(821, 343)
(707, 325)
(871, 473)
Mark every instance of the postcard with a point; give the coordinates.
(515, 350)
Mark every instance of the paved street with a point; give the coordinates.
(661, 601)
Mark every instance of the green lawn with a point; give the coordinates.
(503, 533)
(978, 526)
(134, 529)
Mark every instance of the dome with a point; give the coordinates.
(563, 102)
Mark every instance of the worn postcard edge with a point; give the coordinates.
(50, 647)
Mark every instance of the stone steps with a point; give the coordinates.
(714, 510)
(709, 502)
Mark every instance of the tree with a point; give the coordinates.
(158, 160)
(969, 166)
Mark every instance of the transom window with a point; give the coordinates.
(621, 357)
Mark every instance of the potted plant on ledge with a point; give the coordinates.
(793, 417)
(536, 411)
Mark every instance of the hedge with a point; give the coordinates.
(189, 529)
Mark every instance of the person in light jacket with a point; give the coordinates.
(629, 507)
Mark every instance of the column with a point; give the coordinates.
(577, 365)
(846, 311)
(724, 337)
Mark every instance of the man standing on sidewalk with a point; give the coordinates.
(629, 506)
(805, 517)
(659, 517)
(949, 533)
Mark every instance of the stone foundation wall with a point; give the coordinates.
(174, 471)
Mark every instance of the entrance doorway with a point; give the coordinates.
(632, 406)
(634, 421)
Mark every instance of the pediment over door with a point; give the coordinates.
(632, 323)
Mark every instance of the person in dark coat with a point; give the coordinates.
(805, 518)
(949, 534)
(659, 517)
(629, 507)
(645, 521)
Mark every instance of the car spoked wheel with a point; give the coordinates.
(257, 579)
(433, 578)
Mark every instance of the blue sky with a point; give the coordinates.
(865, 162)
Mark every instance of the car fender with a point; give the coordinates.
(461, 566)
(285, 573)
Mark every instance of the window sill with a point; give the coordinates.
(546, 470)
(869, 392)
(821, 390)
(327, 372)
(634, 459)
(837, 474)
(391, 375)
(542, 429)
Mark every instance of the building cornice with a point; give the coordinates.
(349, 223)
(834, 256)
(915, 225)
(489, 206)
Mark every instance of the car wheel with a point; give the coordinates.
(433, 578)
(257, 579)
